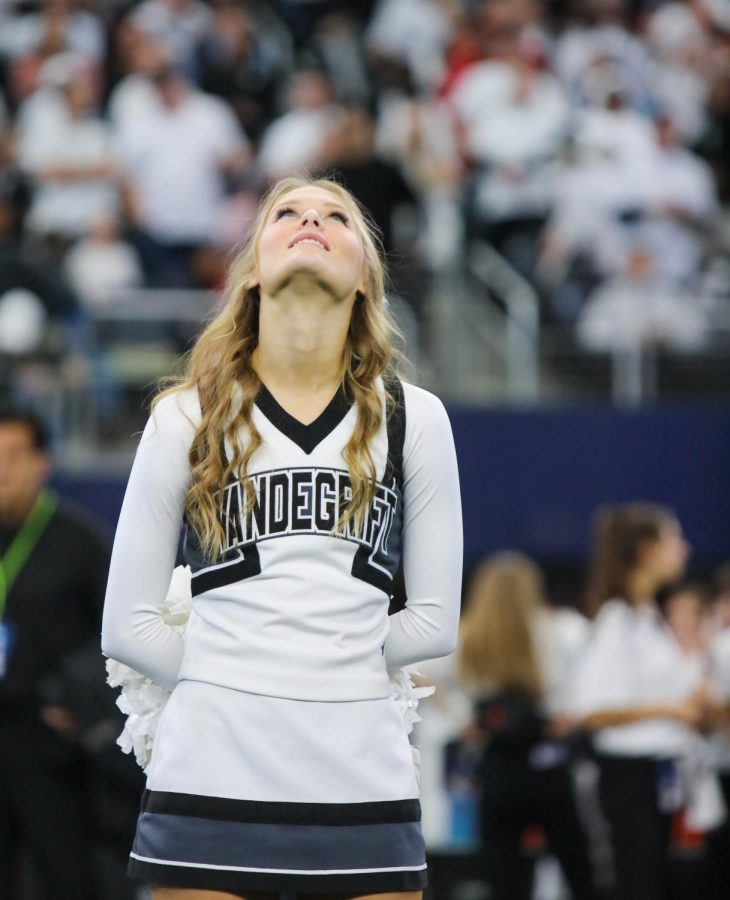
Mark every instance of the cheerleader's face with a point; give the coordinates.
(311, 238)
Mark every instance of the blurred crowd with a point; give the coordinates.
(601, 736)
(589, 142)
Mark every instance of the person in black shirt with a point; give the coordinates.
(376, 183)
(380, 187)
(53, 569)
(515, 657)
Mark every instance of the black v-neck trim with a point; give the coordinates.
(305, 436)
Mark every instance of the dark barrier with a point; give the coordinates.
(531, 480)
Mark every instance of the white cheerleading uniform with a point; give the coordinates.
(281, 761)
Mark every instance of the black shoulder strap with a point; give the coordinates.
(396, 427)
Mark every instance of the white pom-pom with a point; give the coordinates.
(406, 696)
(141, 700)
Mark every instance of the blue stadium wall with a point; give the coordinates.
(531, 480)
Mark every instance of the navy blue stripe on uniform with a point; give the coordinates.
(264, 812)
(306, 849)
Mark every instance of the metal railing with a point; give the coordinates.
(519, 305)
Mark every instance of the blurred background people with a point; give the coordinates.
(515, 657)
(243, 63)
(512, 114)
(68, 156)
(102, 265)
(640, 694)
(175, 163)
(641, 308)
(296, 141)
(53, 576)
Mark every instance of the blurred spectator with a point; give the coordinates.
(686, 608)
(242, 64)
(383, 191)
(176, 163)
(42, 337)
(303, 16)
(297, 140)
(176, 24)
(68, 155)
(54, 575)
(681, 205)
(643, 698)
(598, 188)
(516, 656)
(55, 31)
(714, 142)
(336, 43)
(135, 95)
(513, 116)
(624, 181)
(598, 46)
(34, 276)
(416, 134)
(721, 598)
(377, 184)
(101, 265)
(414, 31)
(681, 46)
(82, 31)
(720, 649)
(642, 309)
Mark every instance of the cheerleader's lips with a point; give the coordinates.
(310, 237)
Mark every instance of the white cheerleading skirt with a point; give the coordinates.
(247, 792)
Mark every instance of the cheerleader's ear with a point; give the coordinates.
(251, 286)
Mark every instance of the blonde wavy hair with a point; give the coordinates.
(219, 366)
(497, 642)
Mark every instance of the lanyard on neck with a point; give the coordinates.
(24, 542)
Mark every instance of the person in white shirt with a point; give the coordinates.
(102, 265)
(297, 141)
(514, 118)
(640, 308)
(68, 152)
(135, 97)
(301, 469)
(178, 24)
(516, 657)
(416, 32)
(637, 692)
(78, 30)
(175, 159)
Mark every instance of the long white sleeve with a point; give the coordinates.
(146, 543)
(432, 537)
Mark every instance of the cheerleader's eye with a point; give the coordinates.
(283, 211)
(341, 216)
